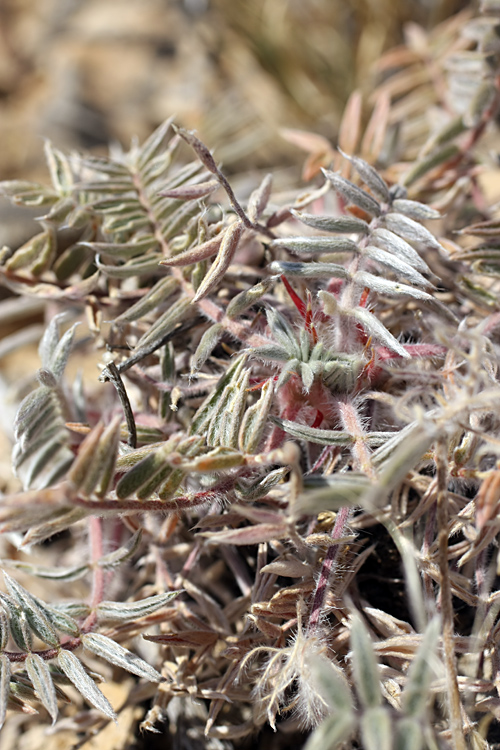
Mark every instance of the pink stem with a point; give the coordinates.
(327, 569)
(96, 548)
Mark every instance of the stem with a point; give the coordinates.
(327, 569)
(96, 548)
(452, 693)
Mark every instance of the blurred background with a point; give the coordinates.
(87, 72)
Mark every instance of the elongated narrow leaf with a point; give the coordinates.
(379, 332)
(364, 664)
(410, 230)
(39, 674)
(74, 671)
(329, 493)
(192, 192)
(316, 245)
(332, 732)
(338, 224)
(246, 299)
(415, 210)
(52, 574)
(107, 649)
(352, 193)
(123, 553)
(208, 342)
(370, 177)
(416, 692)
(392, 288)
(309, 270)
(391, 242)
(396, 265)
(39, 623)
(4, 628)
(130, 611)
(259, 198)
(409, 735)
(5, 673)
(331, 683)
(328, 437)
(376, 729)
(221, 263)
(195, 254)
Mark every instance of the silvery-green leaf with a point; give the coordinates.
(309, 270)
(376, 729)
(56, 456)
(5, 673)
(271, 351)
(166, 322)
(416, 692)
(60, 170)
(409, 735)
(364, 665)
(139, 474)
(481, 102)
(53, 574)
(207, 344)
(386, 286)
(328, 437)
(370, 177)
(154, 144)
(307, 375)
(338, 224)
(415, 210)
(30, 406)
(49, 341)
(74, 671)
(389, 241)
(4, 628)
(123, 250)
(411, 230)
(433, 160)
(123, 553)
(332, 732)
(130, 611)
(39, 623)
(376, 329)
(61, 352)
(31, 194)
(246, 299)
(316, 245)
(331, 683)
(73, 609)
(101, 471)
(399, 456)
(221, 263)
(156, 296)
(61, 620)
(352, 193)
(263, 485)
(396, 265)
(18, 623)
(192, 191)
(283, 331)
(107, 649)
(204, 413)
(255, 420)
(39, 674)
(234, 413)
(143, 266)
(60, 520)
(259, 198)
(321, 493)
